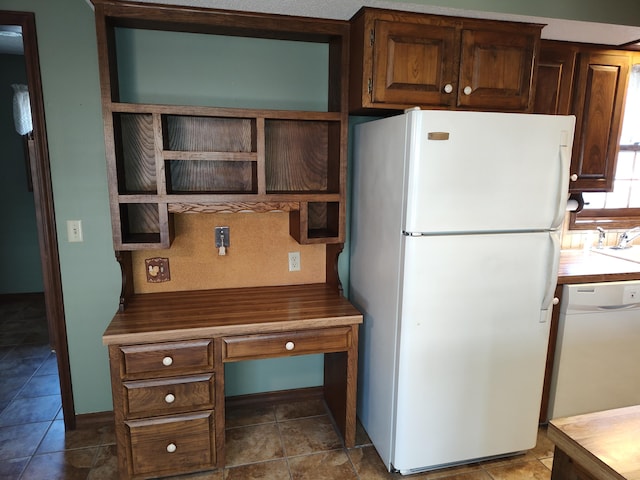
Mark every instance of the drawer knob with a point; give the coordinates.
(166, 361)
(573, 177)
(171, 448)
(290, 346)
(467, 90)
(170, 398)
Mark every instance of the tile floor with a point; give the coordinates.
(294, 441)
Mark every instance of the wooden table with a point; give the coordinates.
(597, 446)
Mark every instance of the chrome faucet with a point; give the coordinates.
(627, 237)
(601, 237)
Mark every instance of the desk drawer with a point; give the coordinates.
(193, 356)
(169, 395)
(172, 444)
(246, 347)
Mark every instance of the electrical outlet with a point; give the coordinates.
(74, 230)
(294, 261)
(157, 269)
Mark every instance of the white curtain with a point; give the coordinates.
(22, 109)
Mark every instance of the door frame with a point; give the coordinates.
(44, 209)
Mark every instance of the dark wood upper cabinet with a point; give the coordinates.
(589, 82)
(400, 60)
(554, 78)
(600, 90)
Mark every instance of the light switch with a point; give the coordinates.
(74, 230)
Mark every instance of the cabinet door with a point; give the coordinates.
(413, 64)
(598, 106)
(496, 69)
(554, 79)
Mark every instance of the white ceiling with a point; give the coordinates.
(555, 29)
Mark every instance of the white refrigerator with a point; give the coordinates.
(454, 254)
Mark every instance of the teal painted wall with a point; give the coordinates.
(90, 274)
(19, 249)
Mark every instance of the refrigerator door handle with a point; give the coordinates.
(563, 183)
(553, 267)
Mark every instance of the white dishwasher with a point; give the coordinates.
(597, 358)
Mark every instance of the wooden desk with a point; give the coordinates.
(597, 446)
(167, 353)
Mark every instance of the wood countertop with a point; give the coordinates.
(158, 317)
(578, 266)
(605, 444)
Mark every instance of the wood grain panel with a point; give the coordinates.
(149, 397)
(192, 435)
(412, 63)
(134, 138)
(598, 106)
(159, 317)
(603, 445)
(250, 347)
(296, 156)
(194, 356)
(498, 66)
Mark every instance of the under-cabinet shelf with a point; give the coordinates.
(207, 156)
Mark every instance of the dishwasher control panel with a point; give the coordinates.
(599, 296)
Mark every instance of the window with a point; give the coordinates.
(621, 207)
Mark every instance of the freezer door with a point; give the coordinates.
(473, 342)
(484, 171)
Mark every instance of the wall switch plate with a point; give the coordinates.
(157, 269)
(222, 236)
(74, 230)
(294, 261)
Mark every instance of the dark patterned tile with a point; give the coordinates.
(302, 409)
(309, 435)
(105, 466)
(257, 443)
(274, 470)
(369, 465)
(40, 386)
(30, 410)
(49, 366)
(18, 441)
(322, 466)
(58, 439)
(67, 465)
(249, 415)
(531, 470)
(11, 469)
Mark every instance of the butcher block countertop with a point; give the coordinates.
(578, 266)
(157, 317)
(606, 445)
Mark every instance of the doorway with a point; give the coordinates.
(44, 210)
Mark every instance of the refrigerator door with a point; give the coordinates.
(482, 171)
(473, 342)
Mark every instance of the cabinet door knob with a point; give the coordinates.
(170, 398)
(290, 346)
(467, 90)
(448, 88)
(171, 448)
(556, 300)
(574, 177)
(166, 361)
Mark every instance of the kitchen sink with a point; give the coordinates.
(631, 254)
